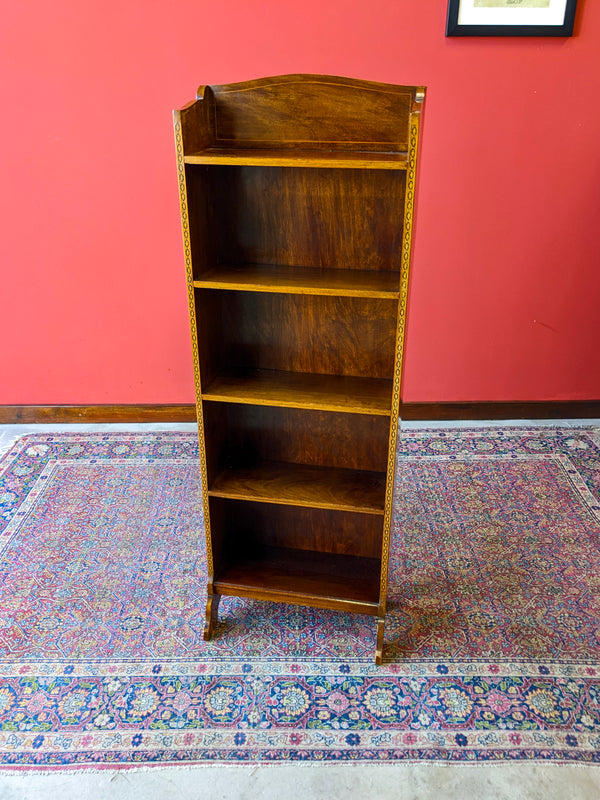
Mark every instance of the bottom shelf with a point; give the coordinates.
(304, 577)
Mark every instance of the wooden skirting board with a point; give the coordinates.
(24, 415)
(551, 409)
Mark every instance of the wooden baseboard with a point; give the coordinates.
(559, 409)
(25, 415)
(547, 409)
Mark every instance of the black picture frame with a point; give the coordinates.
(454, 29)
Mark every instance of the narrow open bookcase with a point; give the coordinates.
(297, 203)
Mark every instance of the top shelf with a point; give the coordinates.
(348, 159)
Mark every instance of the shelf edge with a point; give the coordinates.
(215, 397)
(248, 498)
(241, 286)
(314, 159)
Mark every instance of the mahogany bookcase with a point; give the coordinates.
(297, 197)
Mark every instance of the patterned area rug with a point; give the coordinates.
(492, 641)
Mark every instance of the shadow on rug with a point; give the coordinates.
(492, 639)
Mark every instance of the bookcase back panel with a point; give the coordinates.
(348, 218)
(246, 526)
(201, 220)
(298, 333)
(242, 435)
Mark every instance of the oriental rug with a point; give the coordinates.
(492, 646)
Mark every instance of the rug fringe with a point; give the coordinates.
(28, 772)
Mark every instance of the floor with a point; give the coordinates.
(405, 781)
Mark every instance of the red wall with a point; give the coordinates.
(505, 287)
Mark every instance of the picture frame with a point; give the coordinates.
(510, 17)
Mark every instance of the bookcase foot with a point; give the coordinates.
(379, 646)
(212, 611)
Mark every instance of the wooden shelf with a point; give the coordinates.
(302, 280)
(337, 159)
(302, 390)
(304, 485)
(304, 577)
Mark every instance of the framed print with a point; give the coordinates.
(510, 17)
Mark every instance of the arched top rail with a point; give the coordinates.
(308, 112)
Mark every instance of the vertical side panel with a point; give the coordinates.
(406, 251)
(187, 249)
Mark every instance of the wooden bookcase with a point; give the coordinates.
(296, 204)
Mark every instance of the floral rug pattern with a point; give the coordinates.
(492, 646)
